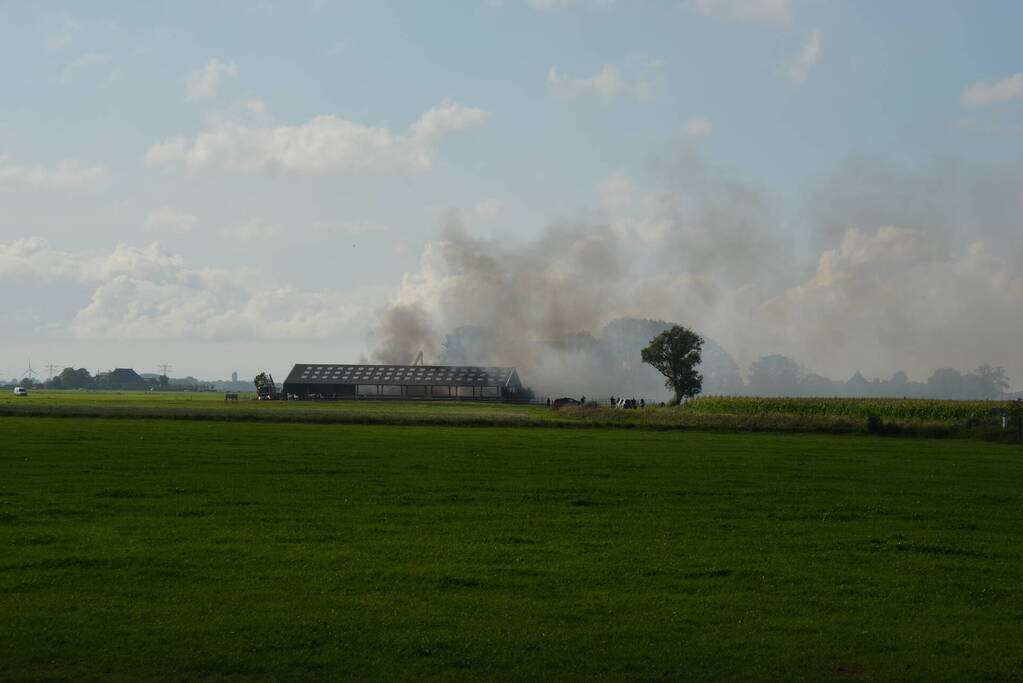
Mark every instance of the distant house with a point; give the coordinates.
(857, 385)
(126, 379)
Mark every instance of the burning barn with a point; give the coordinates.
(412, 381)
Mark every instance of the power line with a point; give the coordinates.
(49, 369)
(165, 369)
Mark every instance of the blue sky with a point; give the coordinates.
(311, 185)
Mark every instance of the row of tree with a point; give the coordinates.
(676, 354)
(80, 378)
(678, 350)
(778, 375)
(610, 363)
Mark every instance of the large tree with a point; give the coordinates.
(946, 383)
(675, 353)
(71, 378)
(987, 382)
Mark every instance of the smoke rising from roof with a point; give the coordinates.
(402, 332)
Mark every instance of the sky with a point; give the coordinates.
(236, 186)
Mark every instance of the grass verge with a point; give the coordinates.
(156, 549)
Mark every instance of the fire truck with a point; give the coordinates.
(266, 390)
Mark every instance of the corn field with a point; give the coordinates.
(885, 408)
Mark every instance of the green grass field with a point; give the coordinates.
(890, 408)
(166, 549)
(212, 406)
(831, 416)
(213, 403)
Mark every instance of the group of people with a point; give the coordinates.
(627, 403)
(624, 403)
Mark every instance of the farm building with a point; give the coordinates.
(124, 379)
(414, 381)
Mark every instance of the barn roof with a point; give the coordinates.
(408, 375)
(126, 375)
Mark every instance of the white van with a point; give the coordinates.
(20, 391)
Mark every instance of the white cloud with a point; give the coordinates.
(447, 117)
(170, 221)
(85, 61)
(770, 11)
(655, 64)
(66, 173)
(34, 258)
(323, 145)
(798, 69)
(251, 231)
(695, 128)
(150, 294)
(985, 93)
(607, 84)
(203, 83)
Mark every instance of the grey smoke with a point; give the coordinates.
(717, 226)
(879, 270)
(401, 332)
(564, 282)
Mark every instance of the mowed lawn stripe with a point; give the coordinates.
(153, 549)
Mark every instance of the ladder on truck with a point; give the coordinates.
(266, 390)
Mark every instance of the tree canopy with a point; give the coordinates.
(70, 378)
(675, 353)
(774, 375)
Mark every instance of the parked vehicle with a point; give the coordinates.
(266, 390)
(564, 401)
(20, 391)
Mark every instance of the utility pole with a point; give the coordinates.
(164, 370)
(49, 370)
